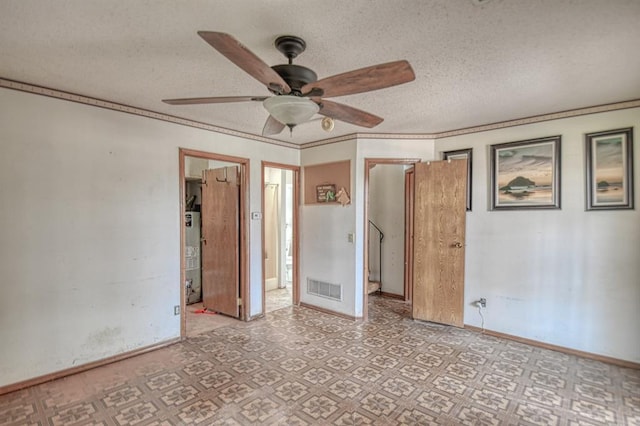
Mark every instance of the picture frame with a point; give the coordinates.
(463, 154)
(609, 169)
(326, 193)
(525, 175)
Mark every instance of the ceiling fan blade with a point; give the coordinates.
(364, 80)
(348, 114)
(237, 53)
(272, 127)
(214, 100)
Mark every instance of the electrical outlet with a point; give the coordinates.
(176, 310)
(483, 302)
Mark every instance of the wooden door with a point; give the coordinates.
(221, 242)
(439, 230)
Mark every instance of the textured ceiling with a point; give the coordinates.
(476, 62)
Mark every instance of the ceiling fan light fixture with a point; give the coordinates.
(291, 110)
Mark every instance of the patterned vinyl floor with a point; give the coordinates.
(278, 299)
(298, 366)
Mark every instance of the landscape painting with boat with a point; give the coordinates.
(525, 174)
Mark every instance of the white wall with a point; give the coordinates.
(567, 277)
(325, 252)
(90, 223)
(386, 210)
(89, 230)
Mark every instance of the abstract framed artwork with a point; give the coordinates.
(526, 174)
(609, 158)
(462, 154)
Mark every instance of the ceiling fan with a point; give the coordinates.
(297, 92)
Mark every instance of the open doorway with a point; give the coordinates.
(280, 194)
(213, 236)
(435, 208)
(388, 221)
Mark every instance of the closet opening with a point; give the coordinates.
(213, 235)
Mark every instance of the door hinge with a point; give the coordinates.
(239, 301)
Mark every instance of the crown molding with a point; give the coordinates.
(541, 118)
(44, 91)
(485, 127)
(351, 136)
(337, 139)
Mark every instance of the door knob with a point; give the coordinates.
(457, 244)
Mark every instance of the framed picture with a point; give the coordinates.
(462, 154)
(526, 174)
(326, 193)
(609, 157)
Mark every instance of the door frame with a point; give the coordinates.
(369, 163)
(409, 187)
(295, 283)
(243, 163)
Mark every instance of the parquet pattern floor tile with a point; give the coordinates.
(302, 367)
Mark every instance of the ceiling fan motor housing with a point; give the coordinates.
(296, 76)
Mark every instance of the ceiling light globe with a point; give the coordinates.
(291, 110)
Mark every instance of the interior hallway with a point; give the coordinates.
(300, 366)
(278, 298)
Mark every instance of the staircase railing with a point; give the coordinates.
(380, 238)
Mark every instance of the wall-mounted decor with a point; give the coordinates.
(342, 197)
(322, 180)
(609, 157)
(325, 193)
(526, 174)
(462, 154)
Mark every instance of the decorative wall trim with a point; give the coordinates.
(338, 139)
(329, 312)
(84, 367)
(44, 91)
(562, 349)
(540, 118)
(483, 128)
(352, 136)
